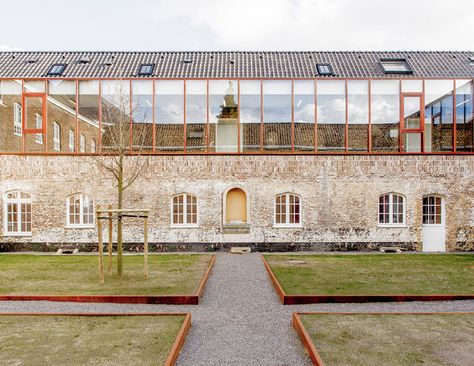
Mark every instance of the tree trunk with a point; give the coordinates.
(119, 220)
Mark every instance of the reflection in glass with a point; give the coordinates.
(358, 115)
(34, 120)
(169, 115)
(385, 118)
(196, 115)
(62, 111)
(11, 129)
(412, 86)
(142, 115)
(412, 142)
(304, 108)
(438, 115)
(331, 115)
(115, 116)
(277, 115)
(224, 116)
(88, 116)
(411, 113)
(250, 115)
(464, 116)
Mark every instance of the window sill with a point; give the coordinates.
(281, 226)
(17, 234)
(79, 227)
(184, 226)
(394, 226)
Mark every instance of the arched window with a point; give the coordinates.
(392, 209)
(17, 213)
(184, 210)
(80, 211)
(287, 210)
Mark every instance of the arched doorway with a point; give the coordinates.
(235, 207)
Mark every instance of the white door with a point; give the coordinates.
(434, 224)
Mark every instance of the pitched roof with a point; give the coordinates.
(233, 64)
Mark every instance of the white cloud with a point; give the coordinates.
(8, 48)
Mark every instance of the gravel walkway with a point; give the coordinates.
(240, 320)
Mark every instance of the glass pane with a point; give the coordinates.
(412, 142)
(250, 115)
(169, 115)
(412, 86)
(224, 116)
(464, 115)
(142, 115)
(35, 86)
(196, 115)
(88, 116)
(358, 113)
(331, 104)
(34, 142)
(277, 115)
(304, 108)
(11, 128)
(61, 110)
(438, 115)
(115, 116)
(411, 112)
(385, 118)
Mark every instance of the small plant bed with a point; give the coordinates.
(92, 339)
(305, 279)
(387, 339)
(172, 278)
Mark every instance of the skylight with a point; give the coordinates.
(324, 69)
(396, 66)
(146, 69)
(56, 69)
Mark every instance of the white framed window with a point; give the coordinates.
(82, 143)
(17, 125)
(39, 125)
(72, 140)
(287, 210)
(184, 210)
(17, 213)
(93, 146)
(79, 211)
(392, 210)
(56, 136)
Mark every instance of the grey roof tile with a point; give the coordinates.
(246, 64)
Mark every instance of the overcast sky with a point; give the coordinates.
(237, 25)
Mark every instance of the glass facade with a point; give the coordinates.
(237, 116)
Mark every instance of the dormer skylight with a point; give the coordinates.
(56, 69)
(324, 69)
(146, 69)
(396, 66)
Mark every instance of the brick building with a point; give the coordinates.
(278, 150)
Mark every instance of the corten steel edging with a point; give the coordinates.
(309, 344)
(318, 299)
(192, 299)
(175, 348)
(306, 340)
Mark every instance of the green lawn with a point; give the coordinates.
(392, 339)
(362, 274)
(80, 340)
(169, 274)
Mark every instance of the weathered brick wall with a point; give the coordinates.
(339, 196)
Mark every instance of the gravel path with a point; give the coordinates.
(240, 320)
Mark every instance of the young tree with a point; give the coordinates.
(124, 130)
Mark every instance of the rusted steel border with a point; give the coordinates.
(175, 348)
(317, 299)
(306, 340)
(309, 344)
(192, 299)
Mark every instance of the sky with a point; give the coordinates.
(209, 25)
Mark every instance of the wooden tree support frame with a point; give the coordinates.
(113, 214)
